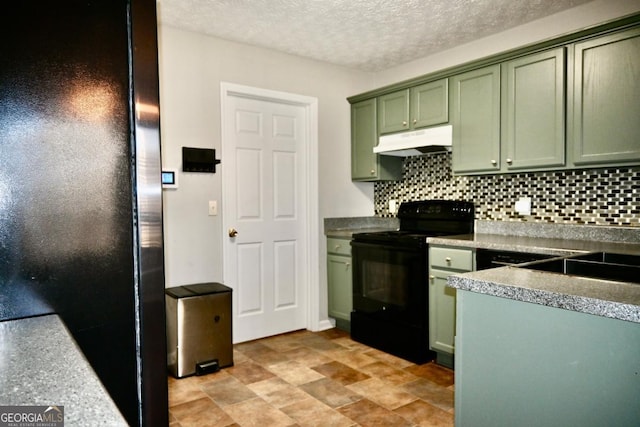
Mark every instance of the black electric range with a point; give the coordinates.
(390, 276)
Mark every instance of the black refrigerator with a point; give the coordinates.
(80, 190)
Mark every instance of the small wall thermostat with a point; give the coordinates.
(169, 178)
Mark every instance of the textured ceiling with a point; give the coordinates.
(370, 35)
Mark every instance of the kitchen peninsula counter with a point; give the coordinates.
(41, 365)
(617, 300)
(539, 348)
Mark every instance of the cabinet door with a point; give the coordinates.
(430, 104)
(533, 115)
(393, 112)
(475, 116)
(365, 164)
(606, 100)
(442, 312)
(339, 286)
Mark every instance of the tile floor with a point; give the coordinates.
(314, 379)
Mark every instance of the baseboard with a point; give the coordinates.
(323, 325)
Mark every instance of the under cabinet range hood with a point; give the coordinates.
(424, 141)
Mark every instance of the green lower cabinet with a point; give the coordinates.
(443, 262)
(442, 316)
(523, 364)
(339, 282)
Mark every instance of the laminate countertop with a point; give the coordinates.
(343, 228)
(617, 300)
(41, 365)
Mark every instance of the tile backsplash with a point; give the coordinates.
(592, 196)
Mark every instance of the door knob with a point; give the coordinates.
(233, 232)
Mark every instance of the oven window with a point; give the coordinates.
(390, 282)
(385, 282)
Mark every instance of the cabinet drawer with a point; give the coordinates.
(457, 259)
(339, 246)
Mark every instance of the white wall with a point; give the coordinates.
(568, 21)
(191, 68)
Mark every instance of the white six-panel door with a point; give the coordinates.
(264, 202)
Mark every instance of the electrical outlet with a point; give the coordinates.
(393, 206)
(523, 206)
(213, 207)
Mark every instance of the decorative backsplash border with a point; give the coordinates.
(608, 197)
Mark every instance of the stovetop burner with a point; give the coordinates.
(422, 219)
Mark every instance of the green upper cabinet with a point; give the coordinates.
(533, 111)
(430, 104)
(393, 112)
(420, 106)
(606, 100)
(365, 164)
(475, 116)
(568, 103)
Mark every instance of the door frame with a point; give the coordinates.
(308, 190)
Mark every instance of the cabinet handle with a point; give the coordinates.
(432, 278)
(347, 264)
(415, 121)
(404, 123)
(493, 162)
(373, 171)
(509, 161)
(448, 260)
(337, 247)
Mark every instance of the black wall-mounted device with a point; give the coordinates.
(199, 160)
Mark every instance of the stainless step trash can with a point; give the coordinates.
(198, 328)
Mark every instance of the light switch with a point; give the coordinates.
(213, 207)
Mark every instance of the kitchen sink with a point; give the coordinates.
(599, 265)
